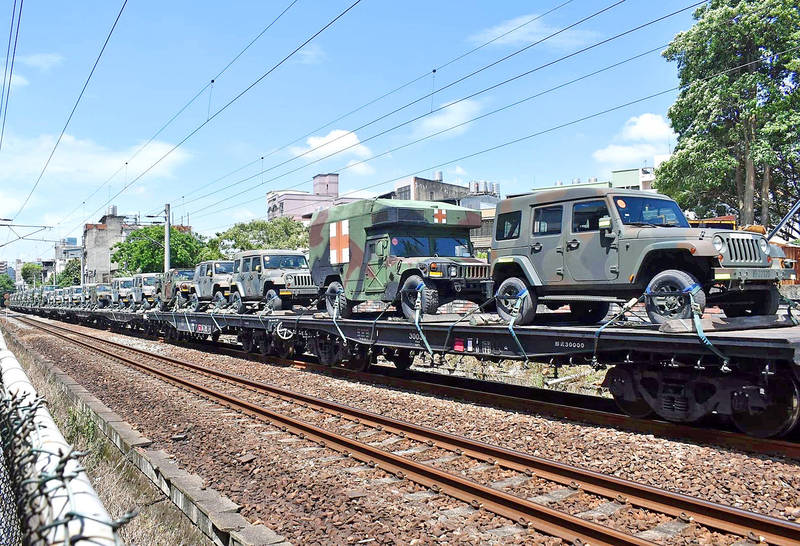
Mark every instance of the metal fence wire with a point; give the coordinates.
(45, 495)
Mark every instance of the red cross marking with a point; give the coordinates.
(340, 242)
(440, 216)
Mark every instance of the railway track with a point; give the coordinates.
(721, 518)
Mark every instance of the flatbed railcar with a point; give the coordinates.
(748, 369)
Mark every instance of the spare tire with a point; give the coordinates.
(660, 309)
(429, 301)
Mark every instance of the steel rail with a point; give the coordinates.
(517, 509)
(712, 515)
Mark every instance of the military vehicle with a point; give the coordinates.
(121, 291)
(390, 250)
(48, 292)
(99, 295)
(174, 288)
(589, 247)
(143, 295)
(75, 296)
(278, 278)
(212, 283)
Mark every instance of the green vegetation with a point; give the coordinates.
(31, 271)
(278, 233)
(738, 139)
(6, 284)
(143, 250)
(71, 274)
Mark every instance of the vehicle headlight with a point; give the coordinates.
(764, 245)
(719, 244)
(453, 271)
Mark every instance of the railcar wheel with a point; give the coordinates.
(215, 336)
(638, 408)
(402, 359)
(248, 343)
(780, 414)
(622, 387)
(328, 349)
(359, 359)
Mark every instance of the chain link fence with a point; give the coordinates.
(45, 495)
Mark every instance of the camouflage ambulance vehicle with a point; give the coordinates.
(587, 247)
(390, 250)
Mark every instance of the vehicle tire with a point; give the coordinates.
(271, 299)
(194, 302)
(180, 300)
(663, 308)
(220, 301)
(513, 286)
(146, 305)
(766, 305)
(429, 302)
(588, 312)
(161, 304)
(345, 307)
(237, 303)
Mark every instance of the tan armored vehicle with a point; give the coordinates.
(212, 284)
(275, 278)
(589, 247)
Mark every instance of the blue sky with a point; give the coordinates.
(162, 53)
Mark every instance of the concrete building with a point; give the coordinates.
(98, 239)
(416, 188)
(66, 250)
(642, 178)
(12, 273)
(300, 205)
(3, 268)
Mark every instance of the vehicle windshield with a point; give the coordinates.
(184, 274)
(285, 262)
(126, 284)
(78, 290)
(150, 281)
(220, 268)
(103, 287)
(420, 247)
(49, 288)
(649, 211)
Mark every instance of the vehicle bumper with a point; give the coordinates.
(746, 274)
(304, 292)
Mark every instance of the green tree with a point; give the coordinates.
(31, 272)
(279, 233)
(71, 275)
(143, 250)
(737, 125)
(6, 284)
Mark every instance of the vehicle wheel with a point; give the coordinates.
(161, 304)
(429, 301)
(506, 300)
(660, 309)
(146, 305)
(343, 307)
(271, 299)
(194, 302)
(237, 303)
(588, 312)
(220, 301)
(180, 300)
(767, 304)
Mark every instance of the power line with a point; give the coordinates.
(10, 73)
(384, 95)
(74, 108)
(227, 105)
(452, 127)
(569, 123)
(450, 104)
(436, 91)
(182, 109)
(8, 53)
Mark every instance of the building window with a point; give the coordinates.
(404, 192)
(431, 197)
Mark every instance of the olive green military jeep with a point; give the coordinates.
(395, 251)
(590, 247)
(174, 288)
(275, 277)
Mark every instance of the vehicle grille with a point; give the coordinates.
(475, 271)
(302, 280)
(743, 250)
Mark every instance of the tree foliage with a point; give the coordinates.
(278, 233)
(142, 251)
(738, 140)
(31, 271)
(71, 275)
(6, 284)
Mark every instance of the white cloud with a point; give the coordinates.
(459, 171)
(81, 161)
(9, 204)
(18, 80)
(42, 61)
(533, 32)
(311, 54)
(336, 141)
(641, 139)
(452, 114)
(243, 215)
(647, 127)
(359, 168)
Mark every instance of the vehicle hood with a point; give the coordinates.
(442, 259)
(679, 233)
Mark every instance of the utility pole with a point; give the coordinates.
(167, 227)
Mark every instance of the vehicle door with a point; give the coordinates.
(246, 277)
(509, 237)
(546, 243)
(257, 273)
(589, 255)
(375, 272)
(201, 280)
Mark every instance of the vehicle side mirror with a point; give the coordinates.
(606, 227)
(209, 273)
(258, 269)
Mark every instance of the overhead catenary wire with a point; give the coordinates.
(568, 123)
(425, 114)
(6, 79)
(381, 97)
(74, 108)
(7, 96)
(225, 107)
(181, 110)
